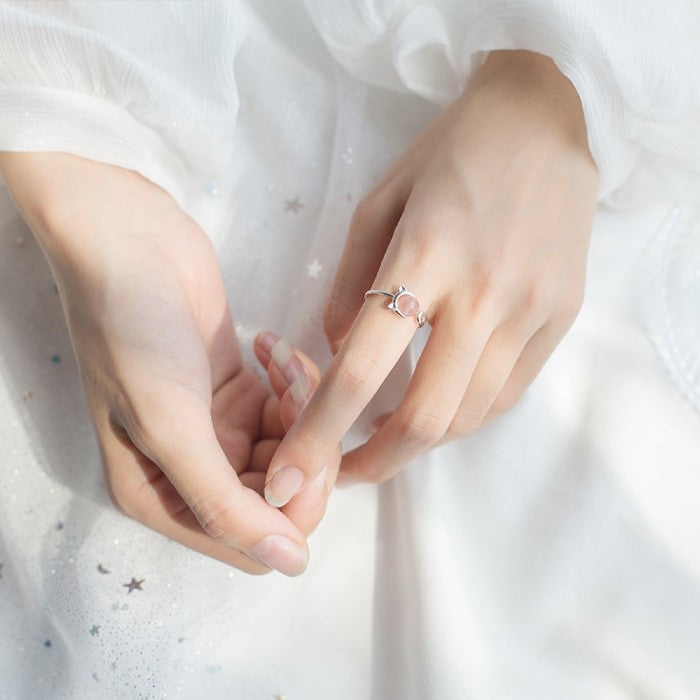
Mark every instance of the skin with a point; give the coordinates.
(486, 218)
(186, 431)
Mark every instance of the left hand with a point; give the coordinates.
(487, 220)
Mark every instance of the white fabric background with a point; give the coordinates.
(554, 554)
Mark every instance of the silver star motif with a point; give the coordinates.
(95, 630)
(293, 205)
(314, 268)
(134, 585)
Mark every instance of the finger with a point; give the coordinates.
(291, 364)
(375, 342)
(149, 497)
(290, 361)
(271, 425)
(533, 357)
(292, 374)
(371, 229)
(233, 399)
(308, 507)
(495, 365)
(176, 434)
(262, 454)
(431, 400)
(254, 480)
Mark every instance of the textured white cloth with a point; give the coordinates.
(554, 554)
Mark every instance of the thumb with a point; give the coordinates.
(178, 435)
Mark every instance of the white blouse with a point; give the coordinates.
(553, 554)
(127, 81)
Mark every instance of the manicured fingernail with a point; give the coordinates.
(283, 486)
(279, 552)
(287, 362)
(300, 392)
(293, 370)
(282, 352)
(267, 339)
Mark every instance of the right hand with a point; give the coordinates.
(186, 431)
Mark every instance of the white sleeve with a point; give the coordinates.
(635, 65)
(145, 85)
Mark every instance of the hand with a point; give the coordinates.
(186, 431)
(486, 219)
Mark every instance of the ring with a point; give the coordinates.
(403, 302)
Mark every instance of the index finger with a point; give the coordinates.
(377, 339)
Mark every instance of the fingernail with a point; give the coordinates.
(282, 352)
(288, 363)
(283, 486)
(300, 392)
(293, 370)
(267, 339)
(279, 552)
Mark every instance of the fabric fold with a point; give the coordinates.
(632, 69)
(125, 83)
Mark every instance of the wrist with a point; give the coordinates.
(78, 208)
(45, 190)
(543, 96)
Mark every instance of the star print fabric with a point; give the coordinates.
(536, 559)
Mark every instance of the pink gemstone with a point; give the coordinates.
(407, 304)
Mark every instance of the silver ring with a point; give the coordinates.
(403, 302)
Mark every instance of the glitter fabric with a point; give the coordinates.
(552, 555)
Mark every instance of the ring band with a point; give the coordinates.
(403, 302)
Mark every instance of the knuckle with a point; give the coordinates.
(571, 304)
(540, 294)
(422, 427)
(216, 516)
(368, 210)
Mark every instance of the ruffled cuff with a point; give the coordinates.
(42, 119)
(575, 49)
(138, 92)
(639, 110)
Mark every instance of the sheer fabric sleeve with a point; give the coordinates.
(633, 64)
(145, 85)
